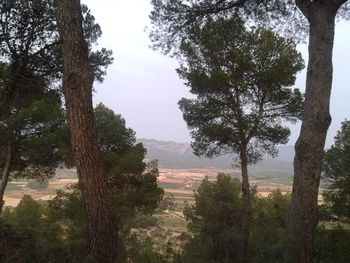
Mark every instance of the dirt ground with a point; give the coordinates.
(16, 190)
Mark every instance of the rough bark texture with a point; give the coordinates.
(246, 208)
(303, 214)
(5, 174)
(77, 85)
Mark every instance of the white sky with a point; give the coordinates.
(143, 87)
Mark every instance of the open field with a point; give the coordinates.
(185, 181)
(182, 182)
(16, 190)
(178, 182)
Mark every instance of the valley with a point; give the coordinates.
(180, 173)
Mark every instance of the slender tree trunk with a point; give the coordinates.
(5, 174)
(303, 213)
(246, 208)
(77, 85)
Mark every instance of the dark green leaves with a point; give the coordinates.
(214, 220)
(174, 21)
(241, 81)
(112, 132)
(336, 167)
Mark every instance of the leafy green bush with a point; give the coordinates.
(214, 221)
(269, 227)
(28, 235)
(332, 245)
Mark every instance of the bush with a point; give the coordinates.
(332, 245)
(28, 236)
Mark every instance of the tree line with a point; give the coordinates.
(239, 67)
(54, 231)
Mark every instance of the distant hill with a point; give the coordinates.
(179, 155)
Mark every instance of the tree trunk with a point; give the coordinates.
(246, 208)
(77, 86)
(5, 174)
(303, 213)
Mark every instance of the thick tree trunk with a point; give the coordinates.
(246, 209)
(77, 85)
(5, 174)
(303, 213)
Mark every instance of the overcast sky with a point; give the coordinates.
(143, 87)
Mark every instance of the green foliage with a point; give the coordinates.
(174, 21)
(336, 167)
(142, 251)
(26, 215)
(135, 194)
(112, 133)
(31, 24)
(67, 210)
(31, 117)
(120, 154)
(132, 182)
(214, 224)
(269, 227)
(332, 245)
(36, 49)
(240, 79)
(36, 232)
(55, 232)
(29, 236)
(31, 126)
(130, 210)
(214, 221)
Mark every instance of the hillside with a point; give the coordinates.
(179, 155)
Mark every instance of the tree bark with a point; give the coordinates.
(77, 85)
(5, 174)
(246, 208)
(303, 213)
